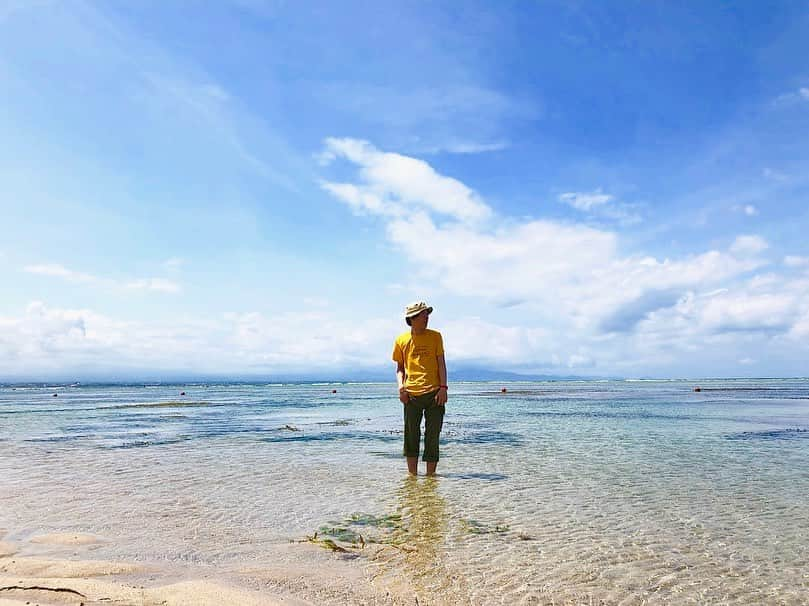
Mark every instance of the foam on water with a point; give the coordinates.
(623, 492)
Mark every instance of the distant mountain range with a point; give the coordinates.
(455, 374)
(358, 375)
(486, 374)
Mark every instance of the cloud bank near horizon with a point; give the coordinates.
(599, 310)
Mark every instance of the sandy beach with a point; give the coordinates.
(58, 569)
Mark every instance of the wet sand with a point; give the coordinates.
(58, 570)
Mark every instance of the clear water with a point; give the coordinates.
(580, 492)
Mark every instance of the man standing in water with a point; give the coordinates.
(421, 373)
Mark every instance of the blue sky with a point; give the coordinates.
(258, 188)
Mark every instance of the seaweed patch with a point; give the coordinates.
(474, 527)
(357, 531)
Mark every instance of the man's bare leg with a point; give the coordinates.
(413, 465)
(431, 465)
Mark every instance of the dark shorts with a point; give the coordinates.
(414, 410)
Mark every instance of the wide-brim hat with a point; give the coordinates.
(415, 309)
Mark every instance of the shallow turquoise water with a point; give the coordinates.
(550, 493)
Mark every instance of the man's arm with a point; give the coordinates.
(401, 377)
(441, 396)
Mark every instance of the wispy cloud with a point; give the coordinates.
(462, 118)
(748, 245)
(174, 263)
(156, 284)
(586, 201)
(775, 175)
(55, 270)
(60, 271)
(749, 210)
(602, 205)
(209, 103)
(793, 96)
(796, 261)
(467, 147)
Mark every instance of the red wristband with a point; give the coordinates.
(443, 387)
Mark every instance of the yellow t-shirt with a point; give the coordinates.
(419, 354)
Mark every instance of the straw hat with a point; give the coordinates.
(415, 309)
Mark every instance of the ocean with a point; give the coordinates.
(630, 492)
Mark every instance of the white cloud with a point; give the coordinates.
(505, 344)
(790, 98)
(602, 205)
(532, 260)
(796, 261)
(55, 270)
(800, 330)
(775, 175)
(308, 339)
(47, 339)
(446, 116)
(470, 147)
(362, 200)
(174, 263)
(624, 214)
(157, 284)
(748, 245)
(575, 269)
(580, 361)
(59, 271)
(757, 318)
(747, 311)
(394, 184)
(750, 210)
(577, 278)
(586, 201)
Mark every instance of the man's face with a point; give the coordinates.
(420, 320)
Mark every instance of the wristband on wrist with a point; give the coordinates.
(443, 387)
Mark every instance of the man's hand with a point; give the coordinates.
(441, 396)
(404, 397)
